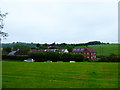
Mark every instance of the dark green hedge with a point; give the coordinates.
(55, 56)
(14, 57)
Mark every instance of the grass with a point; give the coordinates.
(105, 49)
(0, 75)
(59, 75)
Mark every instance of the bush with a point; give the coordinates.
(86, 59)
(110, 58)
(114, 58)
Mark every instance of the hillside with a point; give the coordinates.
(106, 49)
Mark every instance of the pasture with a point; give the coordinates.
(105, 49)
(59, 75)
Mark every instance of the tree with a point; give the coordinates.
(53, 44)
(7, 49)
(37, 45)
(45, 44)
(21, 47)
(70, 48)
(2, 34)
(94, 43)
(63, 44)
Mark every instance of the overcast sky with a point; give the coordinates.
(68, 21)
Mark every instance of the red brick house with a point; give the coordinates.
(86, 52)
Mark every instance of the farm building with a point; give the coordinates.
(50, 50)
(86, 52)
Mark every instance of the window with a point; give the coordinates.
(74, 49)
(78, 49)
(62, 50)
(82, 49)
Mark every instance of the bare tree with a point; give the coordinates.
(2, 34)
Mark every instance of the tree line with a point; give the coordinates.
(52, 44)
(26, 46)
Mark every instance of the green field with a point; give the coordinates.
(59, 75)
(105, 49)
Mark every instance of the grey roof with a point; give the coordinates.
(12, 53)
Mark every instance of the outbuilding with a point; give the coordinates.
(29, 60)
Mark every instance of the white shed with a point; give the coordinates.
(29, 60)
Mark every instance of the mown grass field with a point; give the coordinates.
(59, 75)
(105, 49)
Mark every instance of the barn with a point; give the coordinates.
(86, 52)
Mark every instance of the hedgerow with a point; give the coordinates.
(14, 57)
(55, 56)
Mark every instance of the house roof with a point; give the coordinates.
(61, 50)
(83, 49)
(34, 50)
(52, 50)
(21, 52)
(12, 53)
(46, 50)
